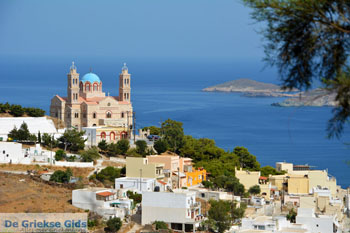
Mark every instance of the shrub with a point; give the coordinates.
(60, 155)
(160, 225)
(113, 225)
(254, 190)
(61, 176)
(141, 147)
(108, 173)
(160, 146)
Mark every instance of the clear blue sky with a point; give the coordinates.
(153, 29)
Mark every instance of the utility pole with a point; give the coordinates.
(134, 125)
(178, 177)
(141, 180)
(51, 150)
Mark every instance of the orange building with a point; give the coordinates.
(195, 176)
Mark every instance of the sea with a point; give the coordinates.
(170, 88)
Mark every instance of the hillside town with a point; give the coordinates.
(146, 180)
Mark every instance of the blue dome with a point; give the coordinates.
(91, 77)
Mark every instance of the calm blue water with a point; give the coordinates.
(171, 89)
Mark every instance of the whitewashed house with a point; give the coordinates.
(135, 184)
(179, 209)
(11, 152)
(317, 223)
(105, 202)
(35, 125)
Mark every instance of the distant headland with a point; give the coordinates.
(251, 88)
(318, 97)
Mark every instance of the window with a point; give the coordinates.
(94, 115)
(3, 152)
(122, 115)
(109, 104)
(7, 155)
(108, 114)
(87, 87)
(95, 87)
(76, 115)
(121, 186)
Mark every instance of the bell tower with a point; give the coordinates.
(124, 85)
(73, 85)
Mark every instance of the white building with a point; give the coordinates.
(35, 125)
(105, 202)
(135, 184)
(316, 223)
(178, 209)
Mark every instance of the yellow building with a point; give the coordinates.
(248, 178)
(298, 184)
(140, 167)
(195, 176)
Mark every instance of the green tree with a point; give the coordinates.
(113, 149)
(268, 170)
(103, 145)
(219, 213)
(160, 146)
(254, 190)
(309, 40)
(113, 225)
(61, 176)
(34, 112)
(137, 198)
(238, 212)
(173, 133)
(246, 159)
(39, 137)
(16, 110)
(207, 184)
(160, 225)
(108, 173)
(123, 146)
(48, 140)
(60, 155)
(90, 155)
(291, 216)
(154, 130)
(22, 134)
(72, 140)
(141, 147)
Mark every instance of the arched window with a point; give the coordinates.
(103, 135)
(123, 135)
(94, 115)
(108, 114)
(93, 125)
(95, 87)
(122, 115)
(112, 136)
(87, 87)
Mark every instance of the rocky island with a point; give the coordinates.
(251, 88)
(318, 97)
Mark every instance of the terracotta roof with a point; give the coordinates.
(61, 98)
(262, 178)
(163, 183)
(105, 194)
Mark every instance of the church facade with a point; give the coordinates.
(86, 105)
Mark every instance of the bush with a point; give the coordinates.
(61, 176)
(254, 190)
(103, 145)
(108, 173)
(141, 147)
(90, 155)
(113, 225)
(160, 146)
(16, 110)
(137, 198)
(60, 155)
(207, 184)
(160, 225)
(123, 146)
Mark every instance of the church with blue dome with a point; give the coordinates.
(86, 105)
